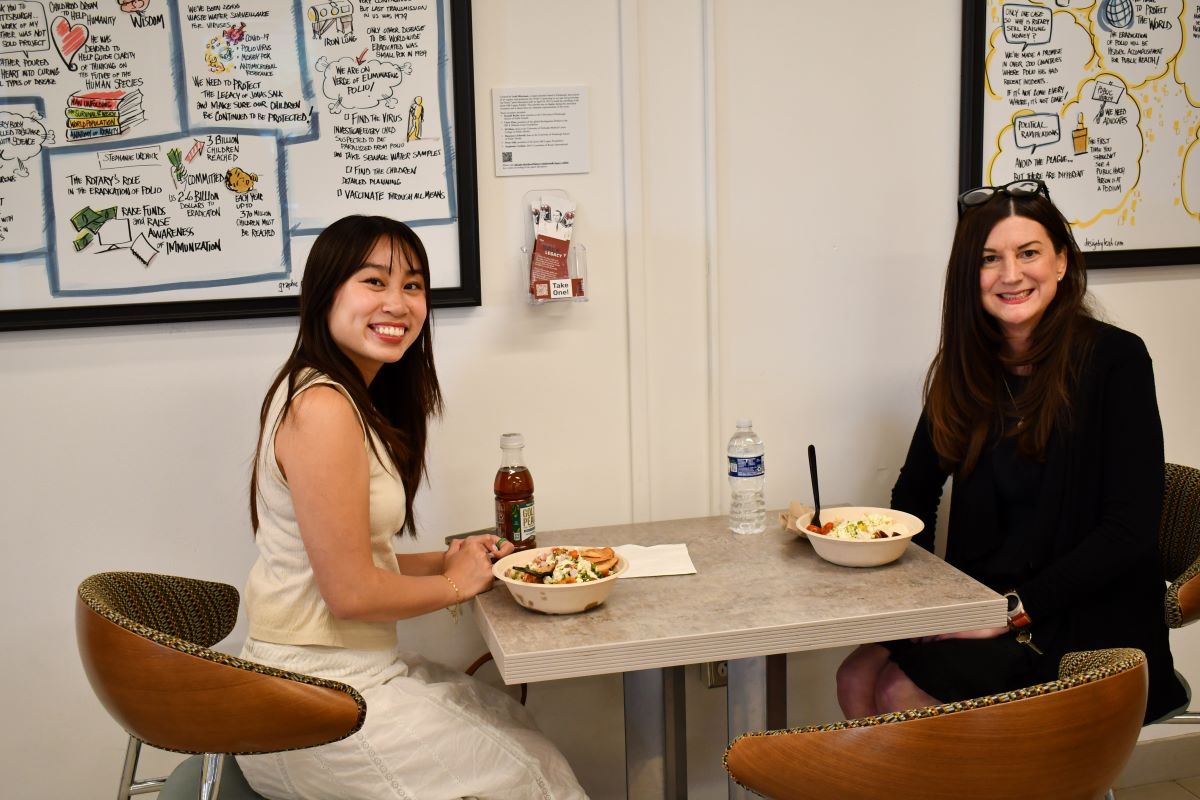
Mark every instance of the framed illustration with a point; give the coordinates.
(1100, 99)
(175, 161)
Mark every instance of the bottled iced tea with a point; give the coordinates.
(514, 494)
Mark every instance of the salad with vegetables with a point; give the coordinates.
(557, 565)
(871, 526)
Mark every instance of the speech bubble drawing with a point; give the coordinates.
(1026, 25)
(1036, 130)
(21, 138)
(357, 85)
(23, 28)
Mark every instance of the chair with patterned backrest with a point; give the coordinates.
(1068, 738)
(144, 640)
(1179, 546)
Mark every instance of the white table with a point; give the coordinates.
(752, 597)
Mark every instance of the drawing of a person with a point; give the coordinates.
(416, 113)
(133, 6)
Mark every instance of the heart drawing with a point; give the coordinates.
(68, 40)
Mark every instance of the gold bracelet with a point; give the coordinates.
(457, 610)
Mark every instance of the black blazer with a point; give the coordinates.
(1097, 517)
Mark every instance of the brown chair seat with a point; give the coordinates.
(1064, 739)
(144, 641)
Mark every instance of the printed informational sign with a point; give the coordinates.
(171, 151)
(542, 131)
(1100, 99)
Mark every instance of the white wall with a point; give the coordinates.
(754, 180)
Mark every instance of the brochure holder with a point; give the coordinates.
(553, 265)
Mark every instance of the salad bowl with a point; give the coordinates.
(863, 552)
(554, 598)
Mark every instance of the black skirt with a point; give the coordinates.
(962, 669)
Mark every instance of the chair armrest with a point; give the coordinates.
(1183, 597)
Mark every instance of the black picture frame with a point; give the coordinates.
(974, 52)
(466, 293)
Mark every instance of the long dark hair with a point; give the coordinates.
(404, 394)
(965, 396)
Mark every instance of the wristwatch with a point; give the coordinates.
(1017, 618)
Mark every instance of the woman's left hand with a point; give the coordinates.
(978, 633)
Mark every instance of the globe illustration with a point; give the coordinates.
(1119, 13)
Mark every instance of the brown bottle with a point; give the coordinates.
(514, 494)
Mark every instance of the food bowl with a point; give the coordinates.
(863, 552)
(555, 598)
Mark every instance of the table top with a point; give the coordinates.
(752, 595)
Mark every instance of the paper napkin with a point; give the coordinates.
(659, 559)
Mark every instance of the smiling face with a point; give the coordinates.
(378, 312)
(1018, 276)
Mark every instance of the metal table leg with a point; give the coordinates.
(757, 698)
(655, 734)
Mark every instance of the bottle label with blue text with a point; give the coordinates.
(746, 467)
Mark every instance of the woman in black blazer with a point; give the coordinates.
(1047, 421)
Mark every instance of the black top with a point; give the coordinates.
(1087, 568)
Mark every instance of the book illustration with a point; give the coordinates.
(21, 139)
(92, 115)
(115, 99)
(68, 40)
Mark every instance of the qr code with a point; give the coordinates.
(506, 156)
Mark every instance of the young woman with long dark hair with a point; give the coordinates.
(340, 456)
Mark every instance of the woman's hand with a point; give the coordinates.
(468, 565)
(978, 633)
(497, 547)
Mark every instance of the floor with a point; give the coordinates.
(1182, 789)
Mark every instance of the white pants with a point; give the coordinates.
(430, 733)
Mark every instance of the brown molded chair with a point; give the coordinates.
(1065, 739)
(144, 641)
(1179, 546)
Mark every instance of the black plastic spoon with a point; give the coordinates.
(812, 470)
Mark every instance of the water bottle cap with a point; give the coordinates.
(512, 440)
(745, 423)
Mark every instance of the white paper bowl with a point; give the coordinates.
(555, 598)
(864, 552)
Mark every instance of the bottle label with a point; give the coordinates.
(514, 520)
(746, 467)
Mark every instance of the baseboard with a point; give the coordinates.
(1157, 760)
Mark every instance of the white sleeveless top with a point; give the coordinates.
(283, 604)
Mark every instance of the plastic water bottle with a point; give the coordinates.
(747, 508)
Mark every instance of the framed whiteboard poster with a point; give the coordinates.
(1100, 99)
(171, 160)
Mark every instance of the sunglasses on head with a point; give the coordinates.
(980, 195)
